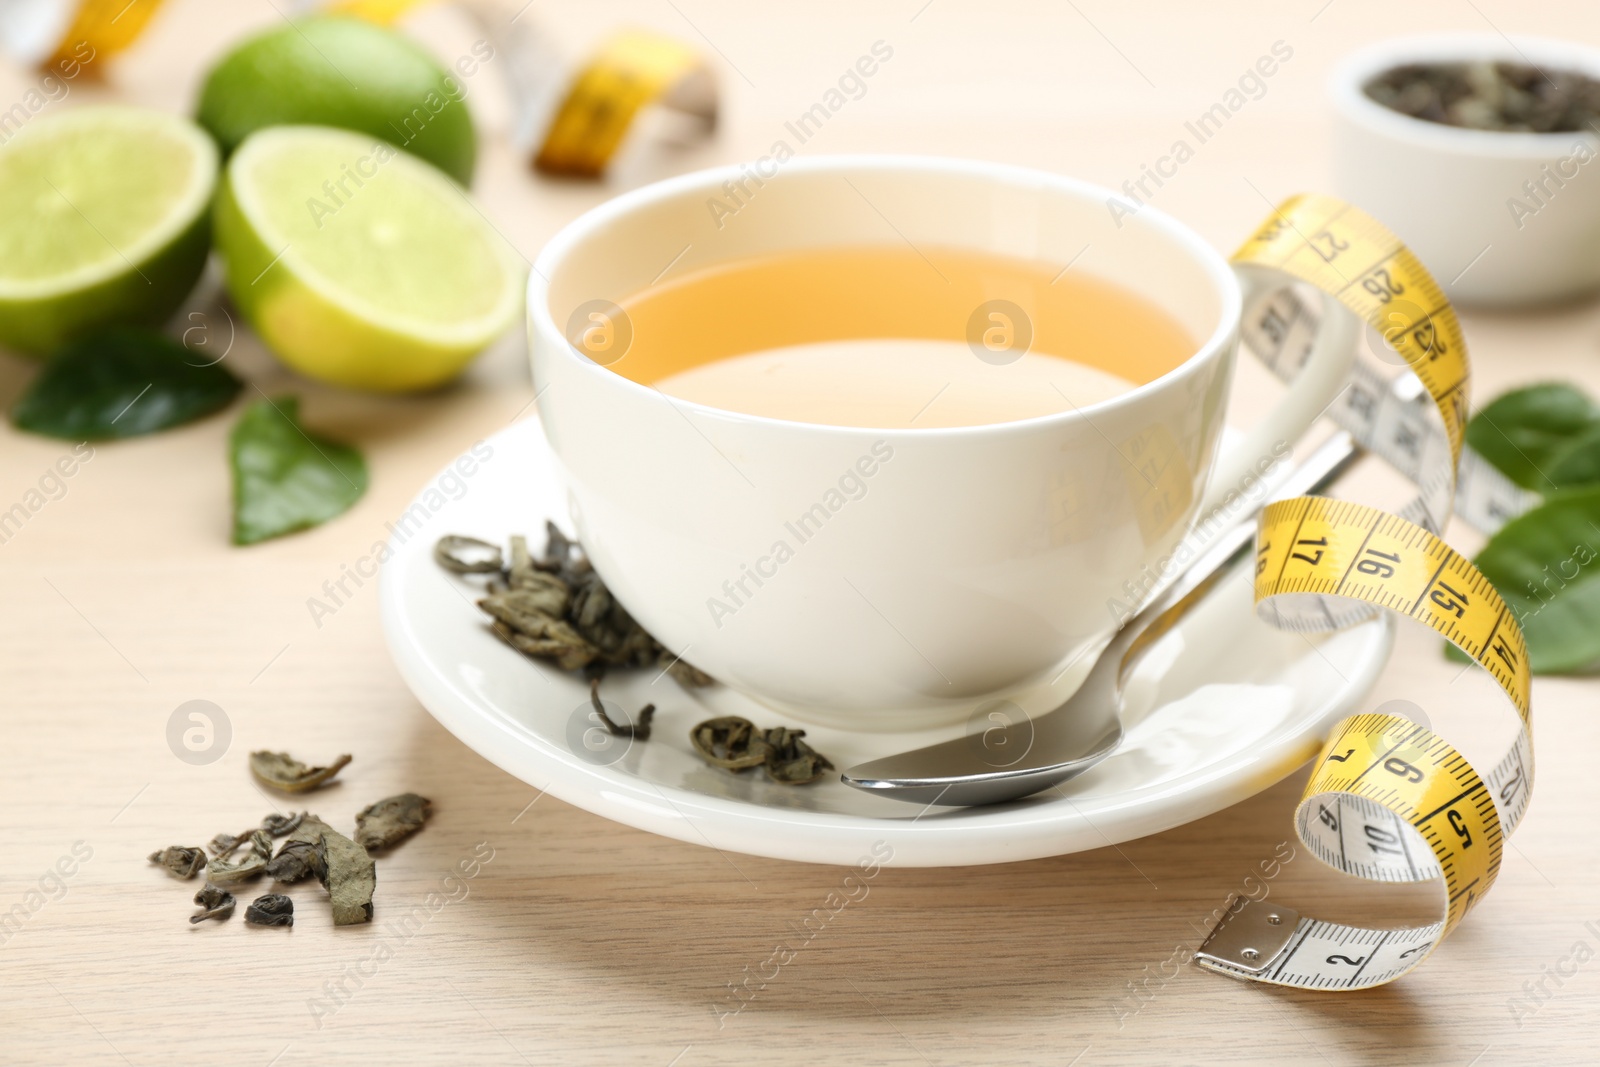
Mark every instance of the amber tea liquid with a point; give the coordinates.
(885, 337)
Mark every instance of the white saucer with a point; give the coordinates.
(1223, 708)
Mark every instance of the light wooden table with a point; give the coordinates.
(587, 942)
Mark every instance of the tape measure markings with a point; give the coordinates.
(1423, 811)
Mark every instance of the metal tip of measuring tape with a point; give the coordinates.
(1249, 937)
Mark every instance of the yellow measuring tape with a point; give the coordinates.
(1388, 799)
(629, 72)
(587, 122)
(104, 27)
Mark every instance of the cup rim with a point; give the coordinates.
(1216, 268)
(1350, 75)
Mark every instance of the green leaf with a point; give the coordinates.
(284, 478)
(1526, 432)
(1546, 564)
(122, 383)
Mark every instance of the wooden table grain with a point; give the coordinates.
(579, 941)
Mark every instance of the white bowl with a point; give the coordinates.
(1498, 218)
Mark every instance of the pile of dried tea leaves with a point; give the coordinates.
(556, 607)
(1511, 97)
(310, 847)
(737, 744)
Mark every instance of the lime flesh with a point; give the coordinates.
(106, 223)
(359, 264)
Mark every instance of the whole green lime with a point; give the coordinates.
(344, 72)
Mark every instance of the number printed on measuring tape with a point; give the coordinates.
(1388, 800)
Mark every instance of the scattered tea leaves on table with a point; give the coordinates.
(286, 478)
(271, 909)
(297, 856)
(1543, 564)
(1542, 436)
(215, 903)
(278, 824)
(283, 772)
(180, 862)
(390, 820)
(467, 555)
(349, 876)
(224, 871)
(294, 861)
(122, 383)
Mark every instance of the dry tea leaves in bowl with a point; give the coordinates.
(215, 903)
(283, 772)
(179, 861)
(271, 909)
(391, 819)
(1514, 97)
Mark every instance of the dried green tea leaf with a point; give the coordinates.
(349, 876)
(606, 624)
(297, 856)
(521, 570)
(122, 383)
(215, 902)
(277, 825)
(639, 728)
(282, 771)
(727, 743)
(391, 819)
(532, 609)
(286, 478)
(559, 551)
(180, 862)
(466, 555)
(790, 761)
(294, 861)
(685, 673)
(556, 641)
(271, 909)
(230, 872)
(224, 844)
(736, 744)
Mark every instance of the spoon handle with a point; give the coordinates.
(1324, 466)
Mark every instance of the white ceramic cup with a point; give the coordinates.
(1499, 218)
(890, 578)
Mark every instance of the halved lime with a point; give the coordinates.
(106, 222)
(359, 264)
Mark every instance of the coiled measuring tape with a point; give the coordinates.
(1388, 799)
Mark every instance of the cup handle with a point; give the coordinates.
(1321, 379)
